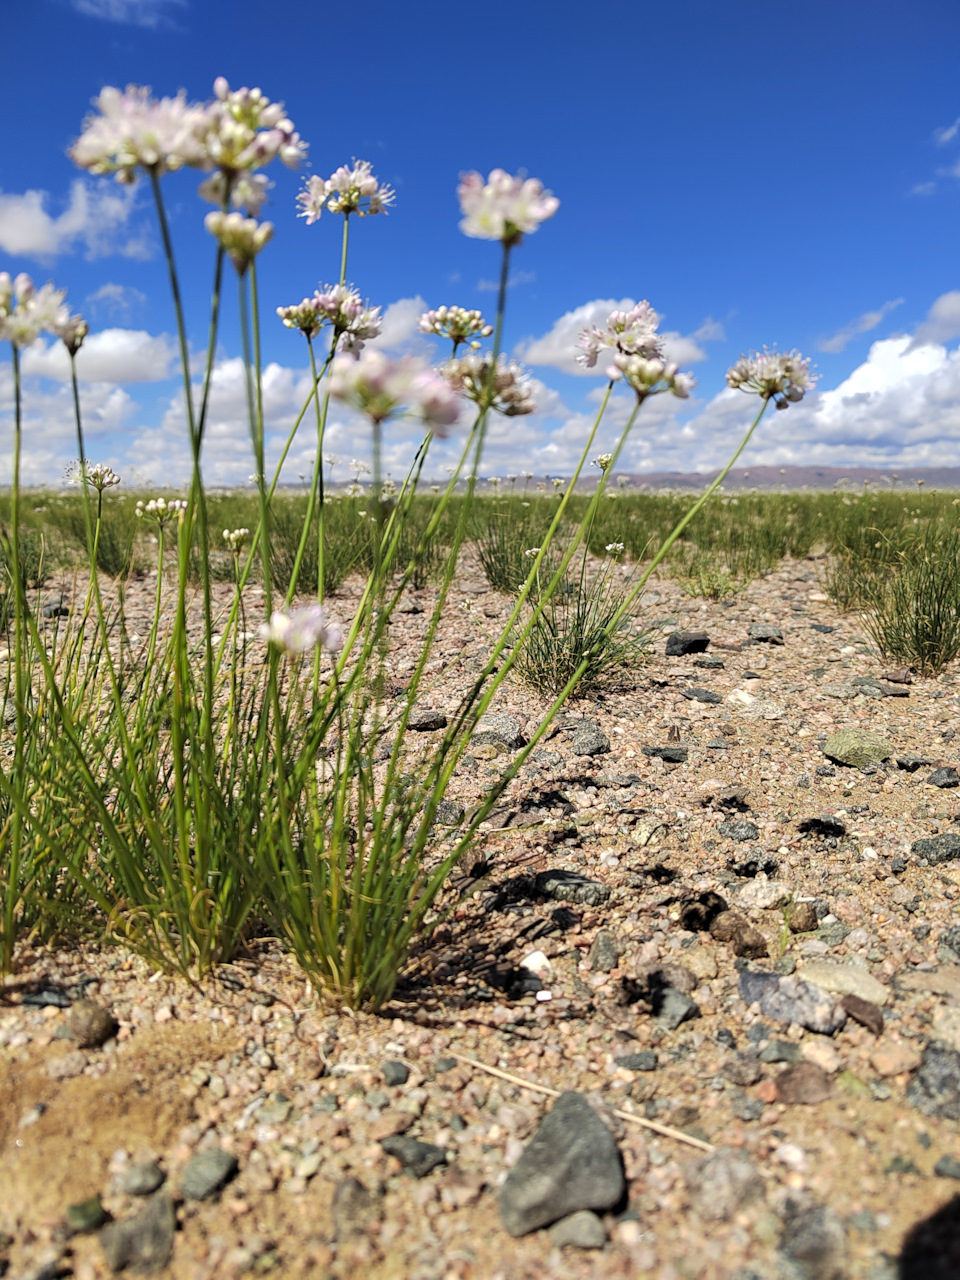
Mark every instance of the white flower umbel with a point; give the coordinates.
(603, 461)
(245, 130)
(241, 237)
(650, 377)
(382, 387)
(340, 306)
(26, 312)
(244, 191)
(631, 332)
(160, 512)
(348, 190)
(781, 376)
(235, 539)
(503, 207)
(134, 131)
(302, 630)
(505, 388)
(72, 333)
(614, 548)
(456, 323)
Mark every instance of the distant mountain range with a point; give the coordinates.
(804, 478)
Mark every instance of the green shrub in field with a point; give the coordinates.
(505, 529)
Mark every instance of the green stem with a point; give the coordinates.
(11, 897)
(343, 251)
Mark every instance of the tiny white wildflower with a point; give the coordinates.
(456, 323)
(347, 190)
(302, 630)
(503, 207)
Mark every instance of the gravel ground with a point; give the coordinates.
(730, 957)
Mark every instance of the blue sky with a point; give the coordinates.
(760, 174)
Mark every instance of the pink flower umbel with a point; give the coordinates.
(72, 333)
(503, 208)
(26, 312)
(382, 387)
(134, 131)
(341, 307)
(241, 237)
(347, 190)
(456, 323)
(245, 131)
(302, 630)
(631, 332)
(781, 376)
(506, 388)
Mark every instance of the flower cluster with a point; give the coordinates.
(160, 511)
(631, 332)
(603, 461)
(340, 306)
(504, 386)
(240, 131)
(614, 548)
(650, 377)
(235, 539)
(381, 387)
(347, 190)
(456, 323)
(302, 630)
(241, 237)
(72, 333)
(783, 377)
(26, 311)
(503, 208)
(136, 131)
(98, 475)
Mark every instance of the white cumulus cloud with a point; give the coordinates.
(113, 355)
(93, 220)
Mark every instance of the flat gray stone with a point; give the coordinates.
(206, 1172)
(141, 1179)
(144, 1242)
(813, 1243)
(418, 1158)
(571, 1163)
(857, 747)
(590, 741)
(845, 980)
(582, 1230)
(764, 633)
(570, 886)
(721, 1183)
(498, 729)
(942, 848)
(790, 999)
(934, 1087)
(426, 719)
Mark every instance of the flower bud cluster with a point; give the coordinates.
(504, 387)
(382, 386)
(650, 377)
(26, 311)
(340, 306)
(72, 333)
(503, 207)
(302, 630)
(783, 377)
(235, 539)
(241, 237)
(98, 475)
(160, 511)
(245, 130)
(631, 332)
(603, 461)
(456, 323)
(347, 190)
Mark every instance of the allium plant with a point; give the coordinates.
(186, 788)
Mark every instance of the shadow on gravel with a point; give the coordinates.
(931, 1251)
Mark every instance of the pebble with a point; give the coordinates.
(739, 829)
(427, 719)
(790, 999)
(936, 849)
(893, 1058)
(590, 741)
(582, 1230)
(764, 633)
(694, 694)
(141, 1179)
(780, 1051)
(865, 1012)
(66, 1066)
(669, 755)
(857, 747)
(947, 1167)
(206, 1172)
(805, 1083)
(88, 1215)
(605, 952)
(846, 980)
(570, 1163)
(645, 1060)
(497, 729)
(732, 927)
(144, 1242)
(570, 886)
(763, 895)
(674, 1008)
(418, 1158)
(395, 1073)
(934, 1087)
(681, 643)
(812, 1242)
(944, 777)
(803, 918)
(90, 1024)
(722, 1183)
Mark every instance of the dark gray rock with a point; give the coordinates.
(353, 1208)
(141, 1179)
(934, 1087)
(833, 934)
(739, 829)
(742, 1070)
(804, 1084)
(498, 729)
(449, 813)
(944, 777)
(764, 633)
(570, 886)
(822, 628)
(711, 662)
(88, 1215)
(207, 1172)
(570, 1163)
(824, 824)
(645, 1060)
(395, 1073)
(582, 1230)
(605, 952)
(418, 1158)
(680, 643)
(693, 694)
(911, 763)
(942, 848)
(56, 609)
(669, 755)
(590, 741)
(744, 1107)
(674, 1007)
(813, 1243)
(947, 1167)
(951, 938)
(721, 1183)
(144, 1242)
(426, 719)
(780, 1051)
